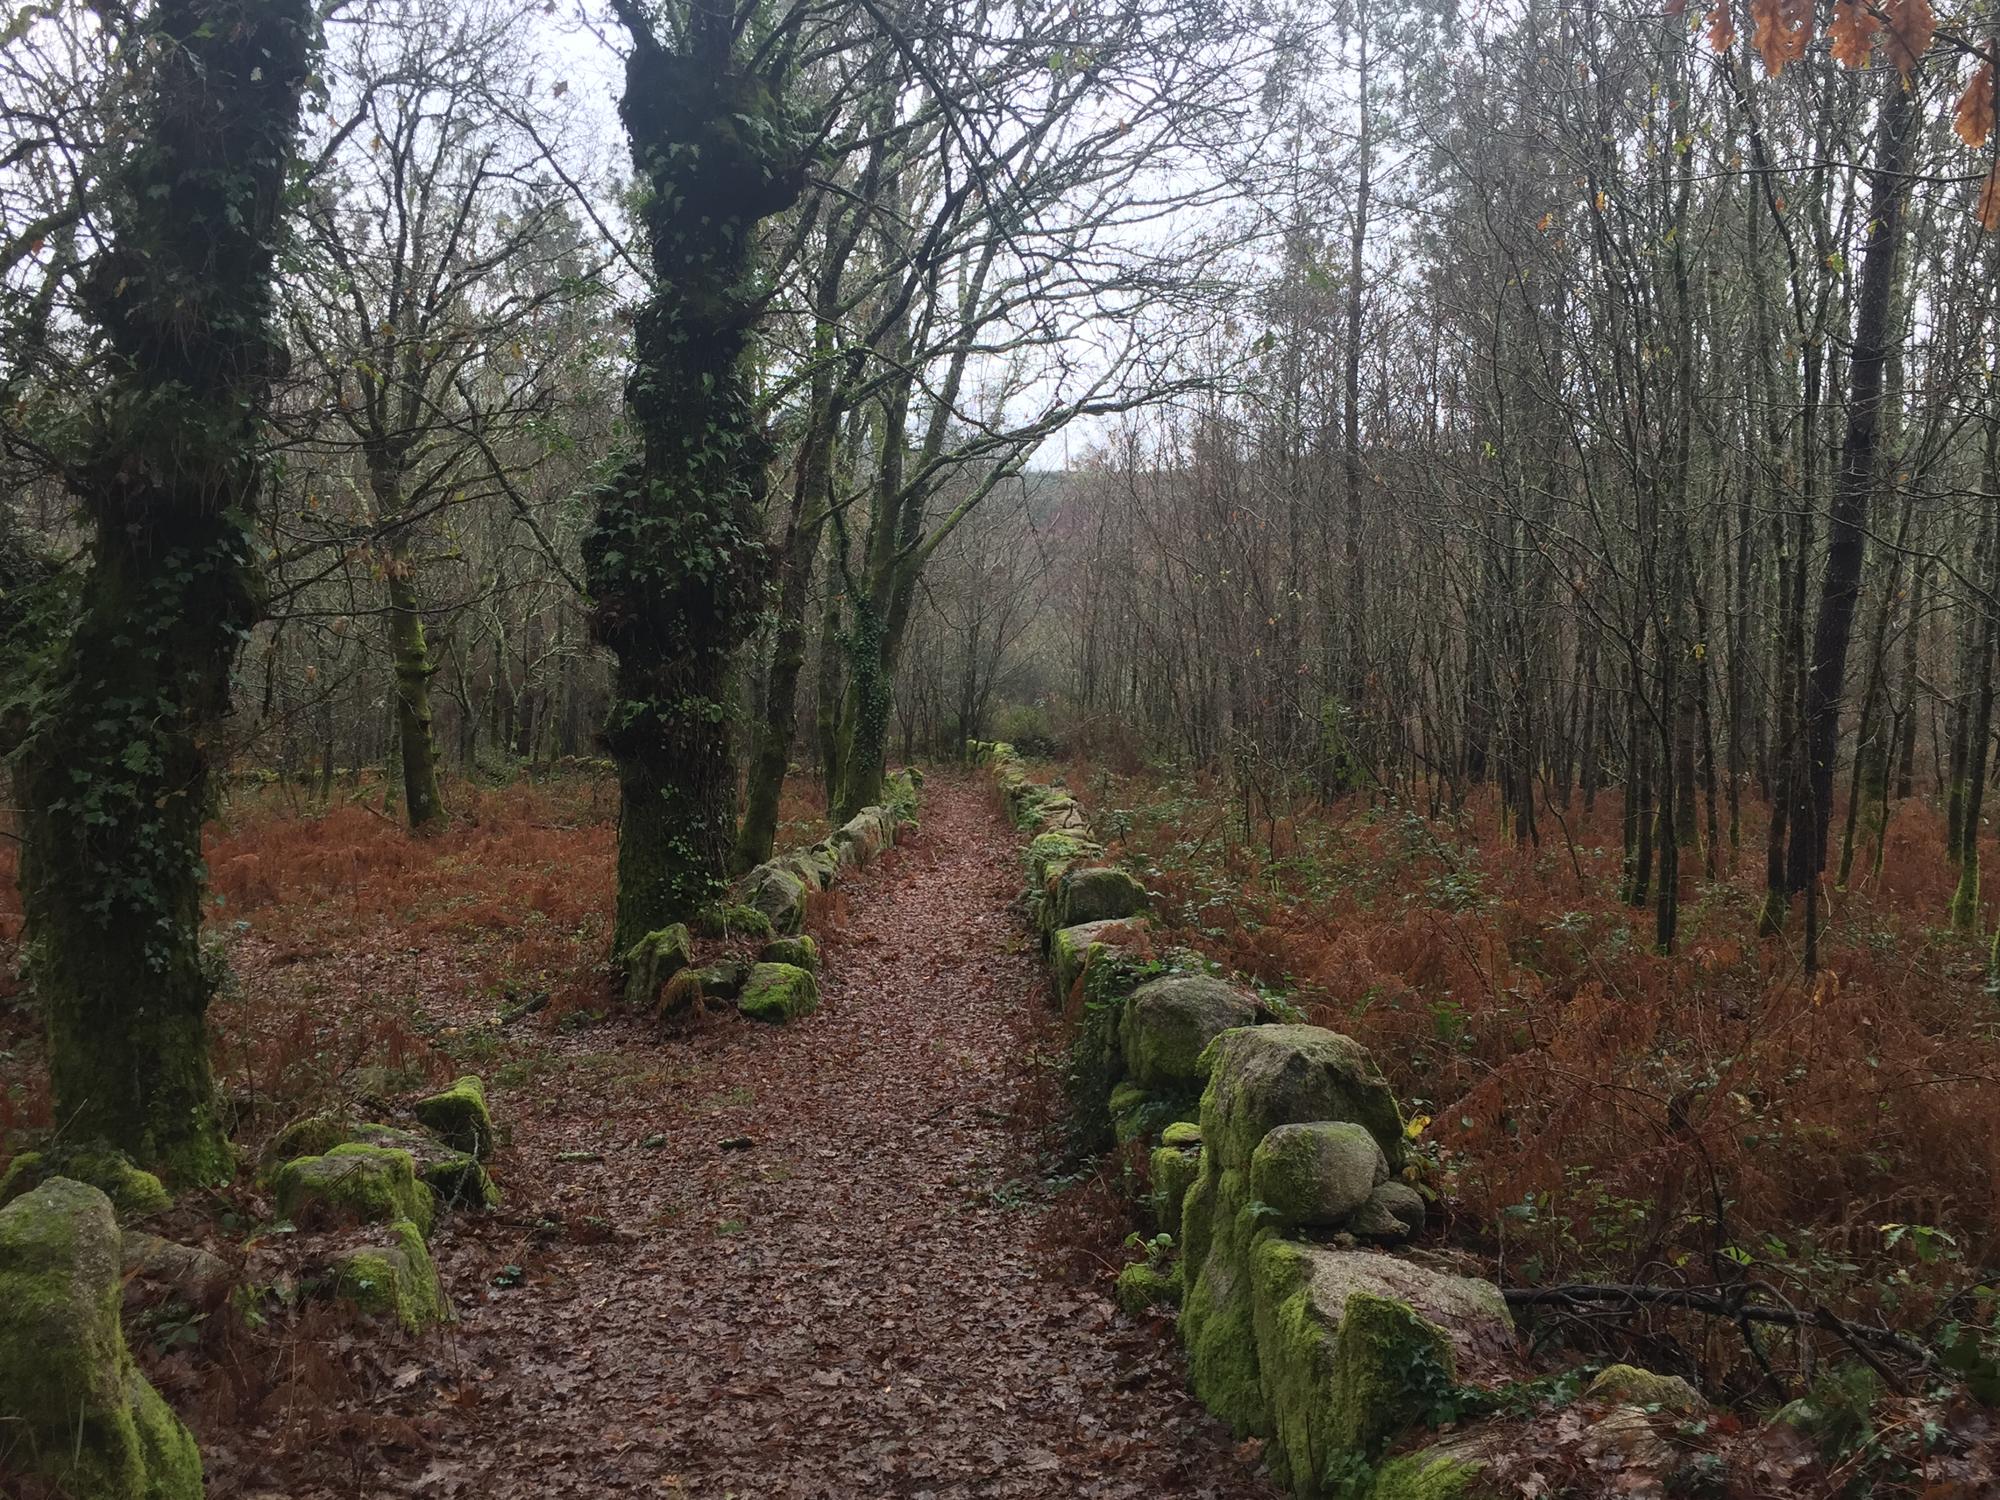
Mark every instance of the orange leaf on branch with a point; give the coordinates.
(1852, 33)
(1911, 24)
(1781, 31)
(1721, 27)
(1973, 119)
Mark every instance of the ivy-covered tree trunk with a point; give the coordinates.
(423, 803)
(676, 564)
(116, 774)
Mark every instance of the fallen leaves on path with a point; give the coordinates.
(793, 1262)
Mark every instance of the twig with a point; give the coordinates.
(1717, 1304)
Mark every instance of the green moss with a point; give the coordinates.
(778, 993)
(1181, 1133)
(455, 1176)
(75, 1410)
(353, 1183)
(310, 1135)
(1128, 1108)
(1391, 1371)
(1425, 1476)
(1315, 1175)
(398, 1279)
(1261, 1077)
(652, 961)
(166, 1448)
(732, 920)
(134, 1193)
(1173, 1170)
(800, 952)
(1295, 1349)
(1140, 1287)
(459, 1116)
(1217, 1319)
(1062, 844)
(1636, 1387)
(1169, 1023)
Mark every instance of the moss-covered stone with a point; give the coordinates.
(74, 1410)
(459, 1116)
(1169, 1022)
(652, 961)
(134, 1192)
(1295, 1354)
(1261, 1077)
(899, 793)
(1141, 1286)
(1093, 893)
(455, 1176)
(353, 1184)
(732, 919)
(1131, 1112)
(1393, 1213)
(1391, 1370)
(800, 952)
(1073, 949)
(1633, 1386)
(778, 993)
(1181, 1133)
(309, 1135)
(397, 1279)
(166, 1448)
(813, 870)
(1173, 1170)
(861, 835)
(722, 980)
(1045, 849)
(1315, 1175)
(1218, 1227)
(779, 894)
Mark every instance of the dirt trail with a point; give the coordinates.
(862, 1301)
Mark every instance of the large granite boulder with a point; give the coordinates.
(1091, 893)
(74, 1410)
(1315, 1176)
(779, 894)
(652, 961)
(353, 1184)
(778, 993)
(1168, 1024)
(1261, 1077)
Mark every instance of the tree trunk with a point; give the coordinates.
(116, 776)
(676, 567)
(1854, 485)
(422, 803)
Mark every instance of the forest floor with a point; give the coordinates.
(832, 1259)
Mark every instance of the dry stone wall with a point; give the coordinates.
(769, 902)
(1276, 1153)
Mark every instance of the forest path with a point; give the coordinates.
(867, 1299)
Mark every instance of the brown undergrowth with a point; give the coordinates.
(819, 1260)
(1598, 1112)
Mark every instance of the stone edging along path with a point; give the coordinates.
(1276, 1157)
